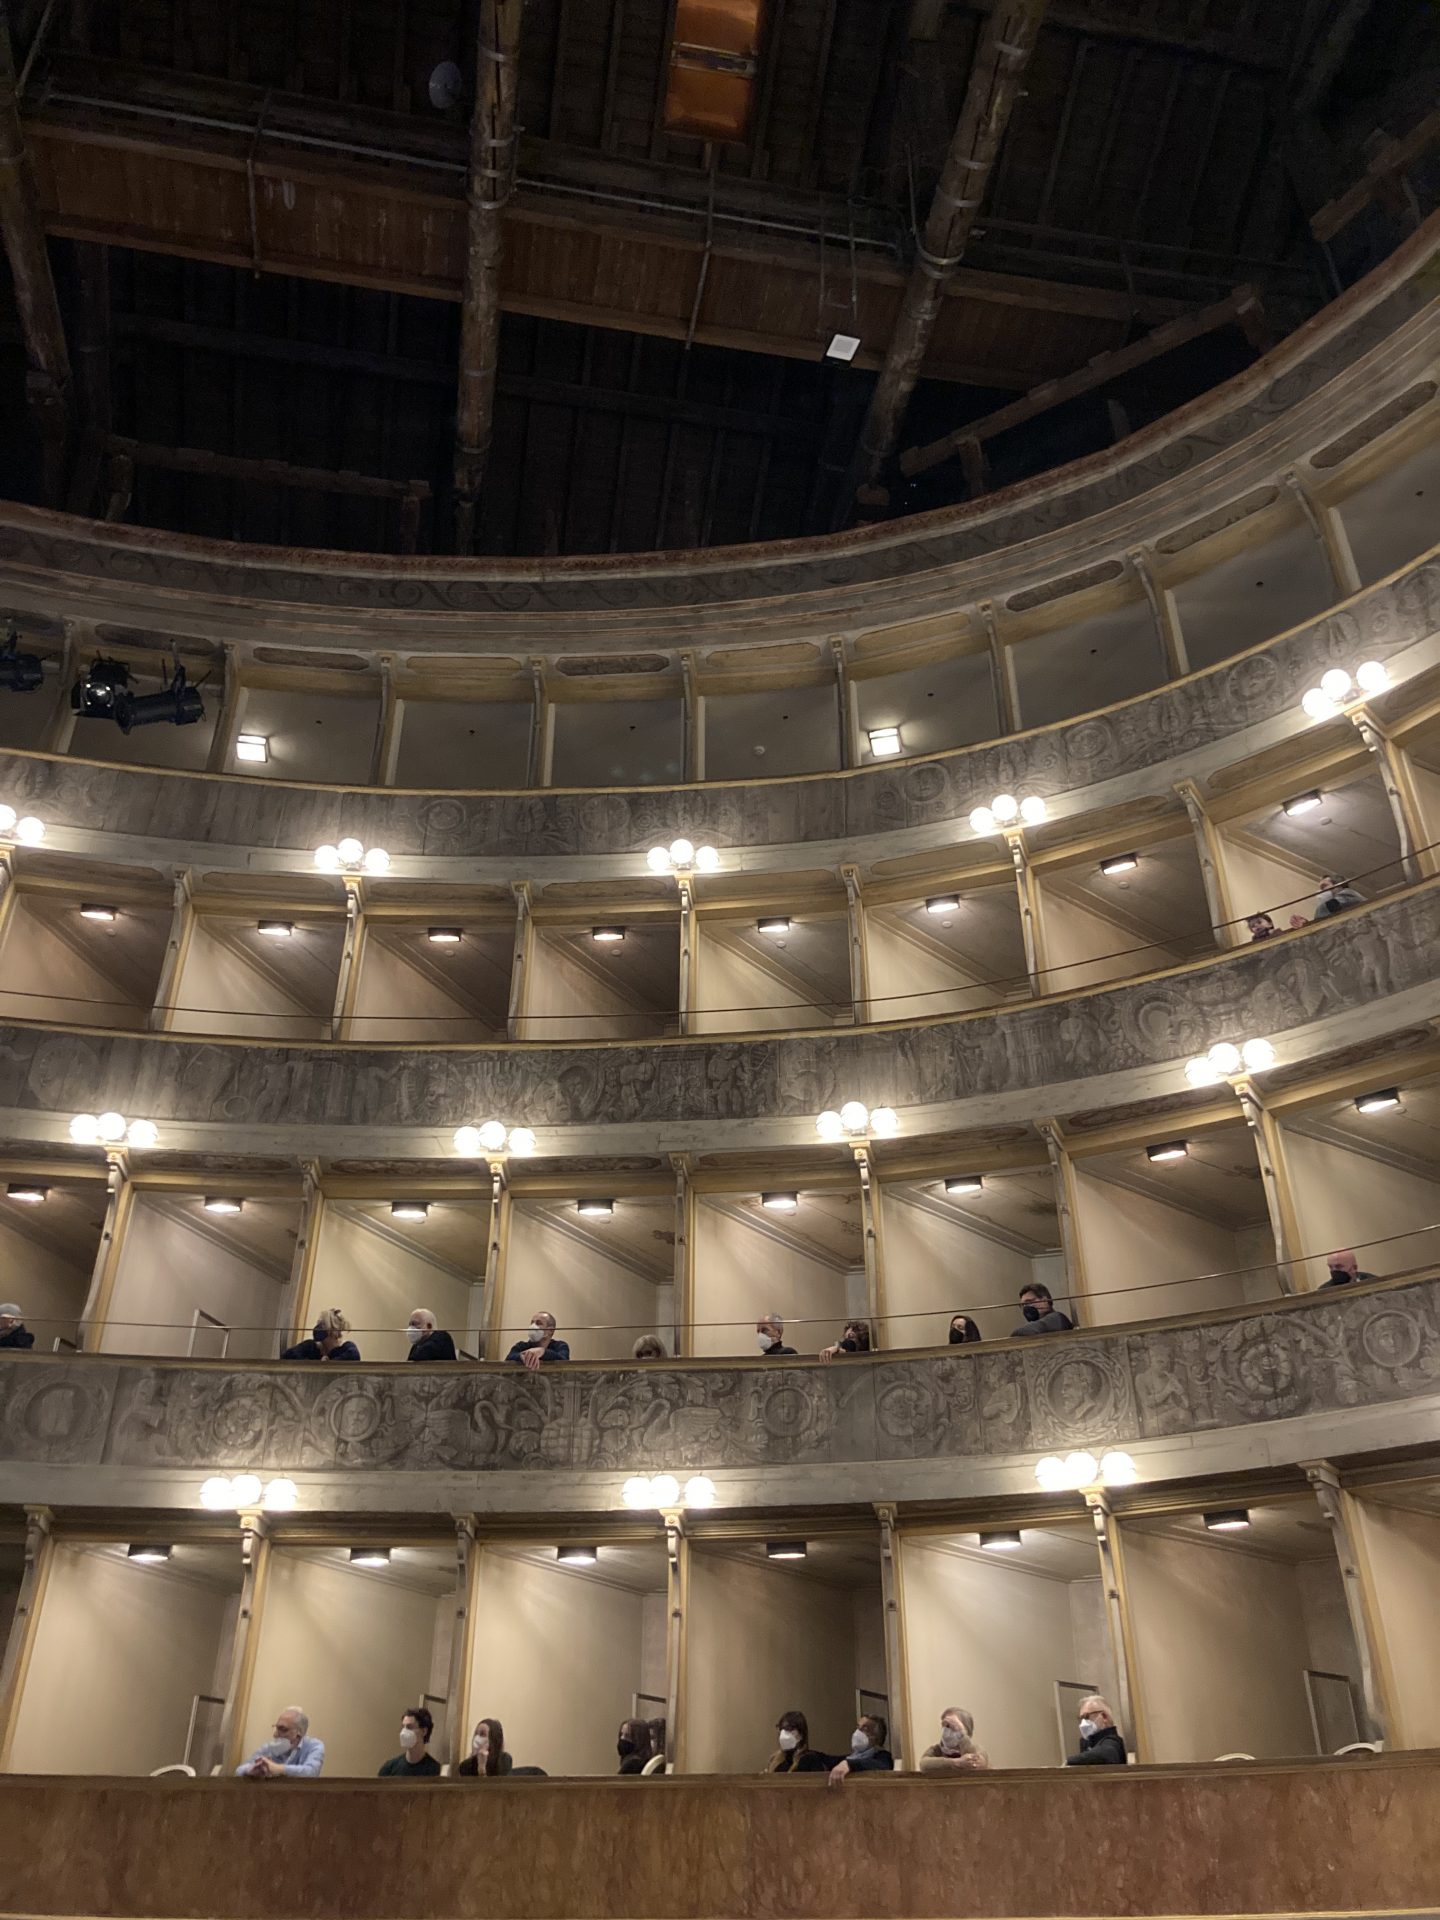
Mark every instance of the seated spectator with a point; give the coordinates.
(290, 1754)
(793, 1753)
(13, 1331)
(1100, 1741)
(648, 1347)
(539, 1344)
(955, 1752)
(1037, 1303)
(427, 1340)
(1334, 896)
(963, 1330)
(1345, 1271)
(770, 1337)
(327, 1342)
(487, 1758)
(855, 1339)
(633, 1744)
(1261, 926)
(414, 1760)
(868, 1752)
(657, 1746)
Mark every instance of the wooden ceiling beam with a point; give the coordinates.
(489, 185)
(1123, 20)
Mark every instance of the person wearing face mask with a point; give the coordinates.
(633, 1745)
(868, 1752)
(1037, 1303)
(487, 1758)
(327, 1342)
(955, 1752)
(963, 1330)
(290, 1754)
(13, 1331)
(1101, 1744)
(855, 1339)
(1345, 1271)
(539, 1344)
(793, 1752)
(770, 1337)
(428, 1341)
(414, 1760)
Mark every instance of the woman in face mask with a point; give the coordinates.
(633, 1746)
(855, 1339)
(963, 1330)
(793, 1753)
(868, 1752)
(955, 1752)
(487, 1755)
(327, 1341)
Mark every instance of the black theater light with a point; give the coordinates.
(95, 695)
(179, 703)
(19, 672)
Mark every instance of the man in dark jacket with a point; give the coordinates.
(539, 1344)
(1345, 1271)
(428, 1341)
(414, 1760)
(1041, 1313)
(770, 1335)
(13, 1331)
(1100, 1741)
(868, 1752)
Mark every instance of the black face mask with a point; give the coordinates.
(849, 1346)
(958, 1336)
(1030, 1310)
(1339, 1275)
(624, 1748)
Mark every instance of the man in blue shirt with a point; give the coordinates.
(291, 1755)
(539, 1344)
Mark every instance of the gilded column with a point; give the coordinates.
(119, 1204)
(677, 1596)
(254, 1575)
(1129, 1706)
(39, 1554)
(1334, 1503)
(897, 1676)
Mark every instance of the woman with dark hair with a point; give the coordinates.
(855, 1339)
(962, 1330)
(793, 1752)
(487, 1756)
(634, 1746)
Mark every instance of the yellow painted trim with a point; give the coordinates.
(1393, 1697)
(20, 1669)
(242, 1670)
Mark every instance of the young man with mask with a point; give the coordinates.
(539, 1344)
(868, 1752)
(427, 1340)
(414, 1760)
(1037, 1303)
(955, 1752)
(290, 1754)
(1100, 1741)
(770, 1338)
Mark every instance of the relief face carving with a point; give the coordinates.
(1089, 1389)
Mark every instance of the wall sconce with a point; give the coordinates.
(1004, 810)
(1337, 690)
(1165, 1150)
(109, 1129)
(595, 1209)
(253, 748)
(682, 856)
(607, 936)
(1384, 1100)
(960, 1184)
(1224, 1061)
(1302, 803)
(221, 1495)
(780, 1202)
(1119, 863)
(23, 1190)
(777, 925)
(493, 1137)
(884, 742)
(663, 1490)
(1004, 1540)
(444, 936)
(409, 1210)
(577, 1556)
(940, 903)
(25, 828)
(786, 1549)
(222, 1203)
(1081, 1469)
(351, 856)
(854, 1120)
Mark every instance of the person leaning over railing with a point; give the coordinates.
(1037, 1303)
(868, 1752)
(855, 1339)
(327, 1341)
(539, 1344)
(292, 1753)
(955, 1753)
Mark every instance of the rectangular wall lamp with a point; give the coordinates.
(884, 742)
(1167, 1150)
(92, 910)
(1302, 803)
(607, 936)
(1384, 1100)
(785, 1549)
(1119, 863)
(252, 747)
(962, 1183)
(444, 936)
(776, 924)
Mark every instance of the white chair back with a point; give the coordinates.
(180, 1766)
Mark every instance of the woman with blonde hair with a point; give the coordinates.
(327, 1340)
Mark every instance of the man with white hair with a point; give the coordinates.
(427, 1340)
(770, 1334)
(1100, 1742)
(290, 1754)
(13, 1331)
(955, 1752)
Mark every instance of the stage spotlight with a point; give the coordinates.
(180, 704)
(19, 672)
(95, 695)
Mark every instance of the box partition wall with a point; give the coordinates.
(50, 1231)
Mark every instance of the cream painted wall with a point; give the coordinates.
(654, 1629)
(386, 985)
(939, 1268)
(1329, 1637)
(600, 1307)
(166, 1272)
(988, 1636)
(377, 1284)
(559, 985)
(1082, 947)
(45, 979)
(761, 1640)
(215, 982)
(909, 980)
(1264, 882)
(50, 1289)
(1221, 1650)
(120, 1652)
(1345, 1198)
(727, 980)
(1401, 1551)
(1427, 793)
(1129, 1240)
(352, 1648)
(741, 1273)
(558, 1660)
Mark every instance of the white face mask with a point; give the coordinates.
(952, 1739)
(276, 1749)
(538, 1333)
(859, 1742)
(408, 1737)
(764, 1342)
(789, 1740)
(414, 1335)
(1087, 1727)
(480, 1745)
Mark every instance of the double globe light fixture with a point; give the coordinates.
(1225, 1060)
(1082, 1469)
(109, 1129)
(493, 1137)
(25, 828)
(661, 1490)
(1337, 689)
(682, 856)
(855, 1120)
(244, 1493)
(1006, 811)
(352, 856)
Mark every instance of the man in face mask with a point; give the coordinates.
(1100, 1741)
(428, 1341)
(13, 1330)
(290, 1754)
(414, 1760)
(868, 1752)
(539, 1344)
(1345, 1271)
(1041, 1313)
(770, 1338)
(955, 1752)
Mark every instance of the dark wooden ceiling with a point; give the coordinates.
(257, 220)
